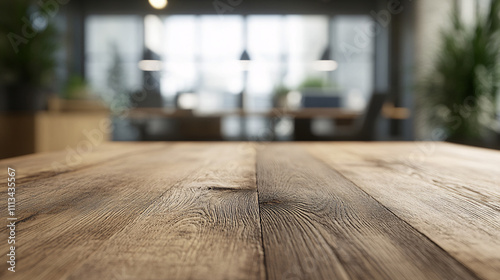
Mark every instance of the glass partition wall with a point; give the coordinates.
(206, 62)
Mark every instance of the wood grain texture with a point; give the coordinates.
(64, 218)
(46, 165)
(450, 193)
(203, 227)
(284, 211)
(152, 206)
(318, 225)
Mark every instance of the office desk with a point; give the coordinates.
(306, 113)
(196, 125)
(256, 211)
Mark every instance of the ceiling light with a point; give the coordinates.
(245, 61)
(325, 65)
(158, 4)
(150, 65)
(187, 101)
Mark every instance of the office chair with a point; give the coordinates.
(363, 128)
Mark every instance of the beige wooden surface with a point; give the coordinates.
(257, 211)
(58, 131)
(27, 133)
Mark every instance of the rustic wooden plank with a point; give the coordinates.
(66, 219)
(448, 192)
(44, 165)
(62, 219)
(205, 226)
(318, 225)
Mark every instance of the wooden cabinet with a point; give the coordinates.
(26, 133)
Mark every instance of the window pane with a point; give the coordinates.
(106, 37)
(221, 46)
(266, 42)
(221, 37)
(180, 50)
(307, 40)
(354, 50)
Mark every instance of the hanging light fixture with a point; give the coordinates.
(326, 63)
(245, 56)
(150, 65)
(245, 60)
(158, 4)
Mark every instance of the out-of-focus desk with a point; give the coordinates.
(207, 124)
(334, 113)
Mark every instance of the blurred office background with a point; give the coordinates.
(78, 72)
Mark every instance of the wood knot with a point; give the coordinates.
(215, 188)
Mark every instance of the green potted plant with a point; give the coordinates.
(318, 93)
(28, 42)
(458, 95)
(76, 88)
(313, 83)
(76, 95)
(280, 95)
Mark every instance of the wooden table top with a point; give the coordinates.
(256, 211)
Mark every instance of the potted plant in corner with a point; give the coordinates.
(28, 42)
(279, 96)
(458, 95)
(76, 96)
